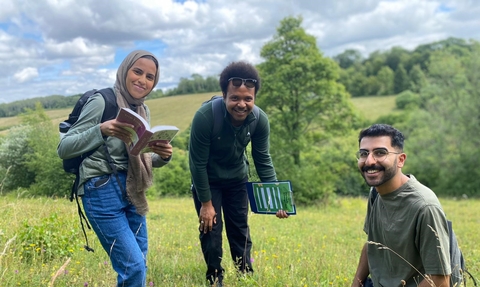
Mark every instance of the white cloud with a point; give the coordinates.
(77, 45)
(26, 75)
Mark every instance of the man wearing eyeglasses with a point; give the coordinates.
(219, 168)
(408, 243)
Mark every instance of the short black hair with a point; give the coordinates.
(239, 69)
(379, 130)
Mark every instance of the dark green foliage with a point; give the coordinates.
(400, 80)
(50, 102)
(181, 140)
(407, 100)
(43, 160)
(197, 84)
(313, 124)
(13, 166)
(300, 92)
(308, 109)
(396, 57)
(418, 80)
(30, 152)
(385, 77)
(155, 94)
(348, 58)
(394, 119)
(174, 178)
(364, 77)
(442, 137)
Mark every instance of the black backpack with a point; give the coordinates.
(72, 165)
(457, 261)
(218, 113)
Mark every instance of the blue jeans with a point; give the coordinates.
(121, 231)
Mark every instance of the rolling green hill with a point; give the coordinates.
(179, 110)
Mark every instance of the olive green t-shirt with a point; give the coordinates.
(406, 228)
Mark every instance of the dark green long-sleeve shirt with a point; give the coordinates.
(222, 160)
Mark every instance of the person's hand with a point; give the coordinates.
(114, 128)
(164, 150)
(207, 217)
(281, 214)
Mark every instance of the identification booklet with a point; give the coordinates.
(270, 197)
(143, 137)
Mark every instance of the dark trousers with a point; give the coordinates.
(232, 201)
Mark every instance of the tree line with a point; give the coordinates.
(381, 73)
(314, 126)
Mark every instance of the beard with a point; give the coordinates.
(388, 173)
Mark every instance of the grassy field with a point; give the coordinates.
(375, 106)
(179, 110)
(317, 247)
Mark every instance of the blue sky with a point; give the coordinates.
(67, 47)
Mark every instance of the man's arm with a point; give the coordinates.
(435, 281)
(362, 269)
(199, 151)
(261, 150)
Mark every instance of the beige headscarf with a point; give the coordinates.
(139, 175)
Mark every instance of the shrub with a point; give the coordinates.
(54, 237)
(174, 178)
(13, 150)
(407, 100)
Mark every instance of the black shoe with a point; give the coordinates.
(217, 282)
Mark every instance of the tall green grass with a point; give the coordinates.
(318, 247)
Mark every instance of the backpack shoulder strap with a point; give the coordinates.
(253, 125)
(374, 193)
(111, 107)
(77, 109)
(217, 115)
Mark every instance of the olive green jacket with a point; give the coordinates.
(85, 135)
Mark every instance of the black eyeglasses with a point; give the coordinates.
(378, 154)
(237, 82)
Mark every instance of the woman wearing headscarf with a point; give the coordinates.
(115, 202)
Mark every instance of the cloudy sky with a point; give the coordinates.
(66, 47)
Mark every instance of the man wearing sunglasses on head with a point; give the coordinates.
(219, 168)
(408, 236)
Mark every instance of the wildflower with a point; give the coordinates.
(251, 259)
(150, 284)
(85, 284)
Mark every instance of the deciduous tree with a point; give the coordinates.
(300, 90)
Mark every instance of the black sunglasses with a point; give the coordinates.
(237, 82)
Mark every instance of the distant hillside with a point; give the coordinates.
(179, 110)
(174, 110)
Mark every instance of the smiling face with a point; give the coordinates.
(239, 102)
(380, 173)
(141, 78)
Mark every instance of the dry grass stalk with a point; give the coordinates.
(59, 271)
